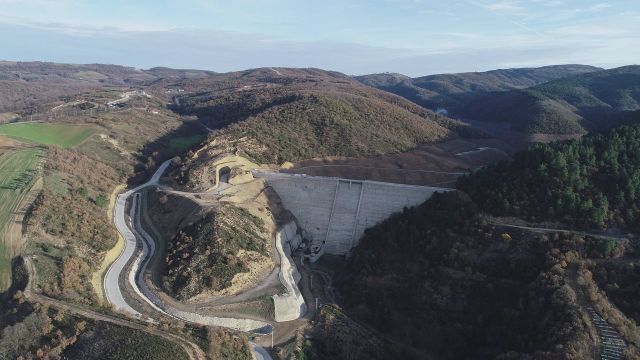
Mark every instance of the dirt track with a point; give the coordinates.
(192, 350)
(428, 164)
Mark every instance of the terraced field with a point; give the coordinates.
(63, 135)
(18, 172)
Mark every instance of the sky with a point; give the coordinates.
(412, 37)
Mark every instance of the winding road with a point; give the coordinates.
(111, 280)
(131, 230)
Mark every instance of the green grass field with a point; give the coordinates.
(63, 135)
(184, 143)
(18, 170)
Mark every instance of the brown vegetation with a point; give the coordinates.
(306, 114)
(225, 345)
(336, 336)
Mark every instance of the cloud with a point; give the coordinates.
(504, 6)
(598, 7)
(31, 2)
(584, 31)
(78, 29)
(521, 41)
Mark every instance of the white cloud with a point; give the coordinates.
(508, 33)
(79, 29)
(504, 6)
(585, 31)
(598, 7)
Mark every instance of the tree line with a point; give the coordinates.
(592, 182)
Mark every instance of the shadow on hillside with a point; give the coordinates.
(19, 279)
(177, 142)
(221, 114)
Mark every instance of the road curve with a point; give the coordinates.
(260, 353)
(111, 285)
(136, 279)
(131, 232)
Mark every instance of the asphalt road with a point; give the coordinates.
(111, 284)
(111, 281)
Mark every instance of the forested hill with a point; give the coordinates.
(571, 105)
(450, 92)
(277, 115)
(437, 275)
(440, 273)
(594, 182)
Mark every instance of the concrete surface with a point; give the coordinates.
(141, 288)
(334, 212)
(136, 275)
(290, 305)
(111, 285)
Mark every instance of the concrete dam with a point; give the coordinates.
(334, 212)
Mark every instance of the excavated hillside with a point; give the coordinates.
(209, 253)
(216, 243)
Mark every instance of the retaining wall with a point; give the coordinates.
(290, 305)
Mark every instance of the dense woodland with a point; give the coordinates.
(593, 182)
(336, 336)
(621, 283)
(500, 292)
(438, 275)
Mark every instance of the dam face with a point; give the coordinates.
(334, 213)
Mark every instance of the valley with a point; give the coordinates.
(303, 214)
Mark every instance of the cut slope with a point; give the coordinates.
(206, 255)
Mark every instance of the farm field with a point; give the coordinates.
(63, 135)
(18, 171)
